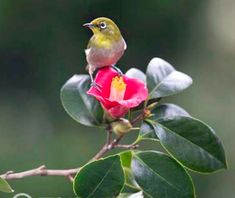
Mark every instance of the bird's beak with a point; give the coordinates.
(89, 25)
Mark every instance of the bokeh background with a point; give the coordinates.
(42, 45)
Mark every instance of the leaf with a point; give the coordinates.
(191, 142)
(159, 175)
(5, 187)
(78, 104)
(126, 158)
(101, 178)
(131, 195)
(147, 131)
(136, 73)
(162, 111)
(187, 139)
(167, 110)
(130, 184)
(163, 80)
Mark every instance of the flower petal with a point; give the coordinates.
(136, 92)
(103, 78)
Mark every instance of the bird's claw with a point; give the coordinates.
(120, 73)
(96, 86)
(118, 70)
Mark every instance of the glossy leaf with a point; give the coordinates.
(136, 73)
(78, 104)
(163, 80)
(162, 111)
(168, 110)
(191, 142)
(161, 176)
(126, 157)
(130, 184)
(5, 187)
(101, 178)
(131, 195)
(147, 131)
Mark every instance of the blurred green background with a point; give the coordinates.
(42, 45)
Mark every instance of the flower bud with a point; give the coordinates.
(121, 126)
(152, 106)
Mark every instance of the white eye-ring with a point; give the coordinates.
(103, 25)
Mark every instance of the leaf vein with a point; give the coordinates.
(92, 193)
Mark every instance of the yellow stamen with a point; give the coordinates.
(118, 88)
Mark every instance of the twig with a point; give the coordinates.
(127, 146)
(40, 171)
(137, 119)
(102, 151)
(109, 145)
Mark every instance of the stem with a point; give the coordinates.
(146, 102)
(108, 146)
(127, 146)
(98, 155)
(138, 118)
(40, 171)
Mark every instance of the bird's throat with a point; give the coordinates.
(104, 41)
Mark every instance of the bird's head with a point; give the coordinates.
(105, 27)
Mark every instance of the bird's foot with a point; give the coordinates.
(118, 70)
(96, 86)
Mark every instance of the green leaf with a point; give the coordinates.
(126, 157)
(163, 80)
(131, 195)
(168, 110)
(101, 178)
(147, 131)
(78, 104)
(191, 142)
(130, 184)
(5, 187)
(136, 73)
(161, 176)
(161, 111)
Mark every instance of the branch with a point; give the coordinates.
(40, 171)
(138, 118)
(109, 145)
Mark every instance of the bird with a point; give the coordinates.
(105, 47)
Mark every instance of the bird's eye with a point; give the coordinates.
(102, 25)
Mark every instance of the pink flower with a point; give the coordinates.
(118, 93)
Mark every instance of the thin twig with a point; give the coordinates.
(40, 171)
(137, 119)
(106, 146)
(127, 146)
(102, 151)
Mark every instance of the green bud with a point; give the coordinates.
(152, 106)
(121, 126)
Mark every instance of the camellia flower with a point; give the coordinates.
(118, 93)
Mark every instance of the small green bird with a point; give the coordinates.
(105, 47)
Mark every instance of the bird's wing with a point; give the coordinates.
(87, 51)
(125, 46)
